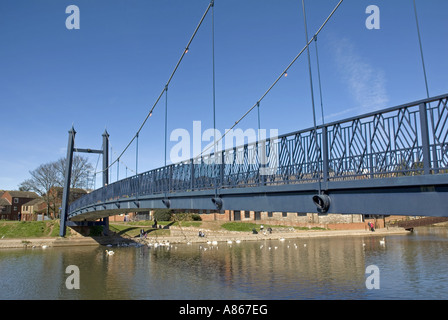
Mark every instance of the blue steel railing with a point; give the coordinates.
(410, 139)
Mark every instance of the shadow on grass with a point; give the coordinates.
(134, 232)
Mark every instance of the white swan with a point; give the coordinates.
(109, 252)
(382, 242)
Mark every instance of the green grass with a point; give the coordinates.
(240, 226)
(29, 229)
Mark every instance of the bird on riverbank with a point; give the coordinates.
(110, 252)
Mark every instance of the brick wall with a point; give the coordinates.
(309, 220)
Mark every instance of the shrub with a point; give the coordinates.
(188, 217)
(162, 214)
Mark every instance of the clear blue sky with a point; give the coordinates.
(109, 73)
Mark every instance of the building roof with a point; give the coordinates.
(33, 202)
(22, 194)
(4, 202)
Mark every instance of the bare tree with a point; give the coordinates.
(51, 174)
(43, 178)
(81, 169)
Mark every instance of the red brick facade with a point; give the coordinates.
(12, 203)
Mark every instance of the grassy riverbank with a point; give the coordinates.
(29, 229)
(50, 228)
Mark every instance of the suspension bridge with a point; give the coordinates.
(388, 162)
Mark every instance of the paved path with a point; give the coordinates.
(185, 236)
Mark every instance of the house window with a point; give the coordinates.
(15, 208)
(16, 200)
(270, 214)
(284, 214)
(237, 215)
(246, 214)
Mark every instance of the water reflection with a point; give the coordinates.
(411, 267)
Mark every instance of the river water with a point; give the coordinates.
(411, 266)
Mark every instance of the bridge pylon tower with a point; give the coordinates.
(67, 180)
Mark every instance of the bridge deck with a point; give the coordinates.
(393, 161)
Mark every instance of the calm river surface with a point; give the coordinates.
(410, 266)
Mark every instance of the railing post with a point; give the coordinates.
(325, 155)
(262, 158)
(170, 178)
(191, 173)
(425, 138)
(106, 173)
(221, 170)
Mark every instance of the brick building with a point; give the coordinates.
(31, 209)
(11, 203)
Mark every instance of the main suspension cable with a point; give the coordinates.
(165, 87)
(421, 49)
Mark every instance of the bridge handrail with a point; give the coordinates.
(408, 139)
